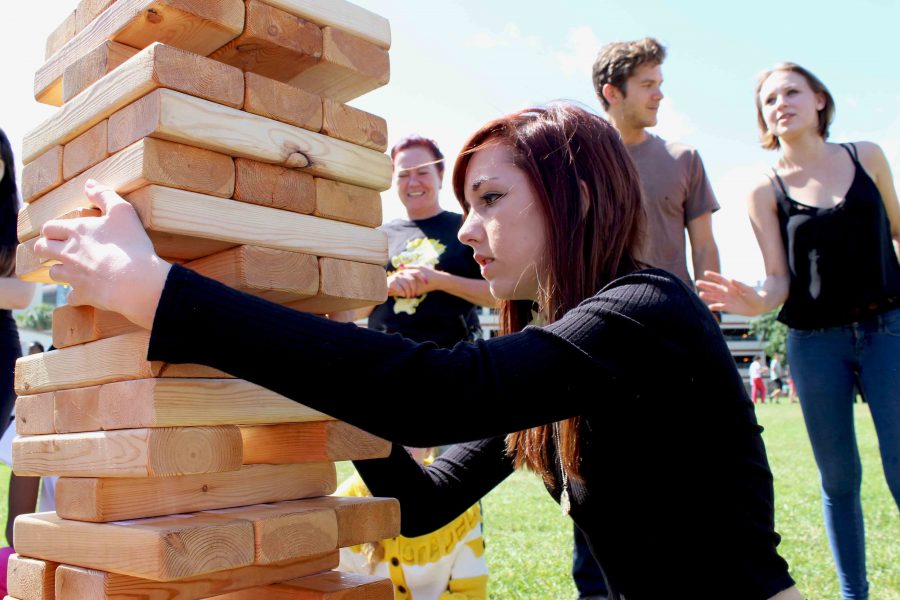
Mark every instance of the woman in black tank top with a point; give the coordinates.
(828, 224)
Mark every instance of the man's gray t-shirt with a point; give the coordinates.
(676, 190)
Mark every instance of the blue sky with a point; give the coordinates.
(457, 64)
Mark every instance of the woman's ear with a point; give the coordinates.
(2, 169)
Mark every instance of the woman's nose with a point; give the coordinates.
(469, 232)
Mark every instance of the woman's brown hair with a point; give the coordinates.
(768, 140)
(589, 191)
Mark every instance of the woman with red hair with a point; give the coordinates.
(580, 390)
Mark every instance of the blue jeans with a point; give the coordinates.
(829, 366)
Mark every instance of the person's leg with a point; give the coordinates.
(823, 367)
(585, 571)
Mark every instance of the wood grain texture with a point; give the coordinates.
(30, 579)
(147, 161)
(196, 122)
(43, 174)
(362, 519)
(289, 443)
(191, 214)
(353, 125)
(74, 325)
(97, 63)
(274, 186)
(76, 410)
(34, 414)
(109, 499)
(156, 66)
(344, 285)
(64, 32)
(199, 26)
(85, 151)
(334, 585)
(162, 549)
(274, 43)
(75, 583)
(159, 452)
(343, 15)
(350, 67)
(348, 203)
(88, 10)
(282, 102)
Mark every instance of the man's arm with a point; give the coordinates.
(704, 252)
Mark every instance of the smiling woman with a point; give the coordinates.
(553, 208)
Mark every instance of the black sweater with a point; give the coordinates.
(676, 495)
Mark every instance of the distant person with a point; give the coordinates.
(35, 348)
(828, 223)
(775, 377)
(757, 383)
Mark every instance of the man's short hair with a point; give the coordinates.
(618, 61)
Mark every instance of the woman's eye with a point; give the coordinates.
(491, 197)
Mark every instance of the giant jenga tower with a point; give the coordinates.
(223, 123)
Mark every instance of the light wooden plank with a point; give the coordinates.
(274, 43)
(88, 10)
(75, 583)
(342, 15)
(345, 285)
(196, 122)
(156, 66)
(348, 203)
(353, 125)
(120, 358)
(279, 276)
(147, 161)
(73, 325)
(198, 26)
(111, 499)
(191, 214)
(318, 441)
(287, 530)
(34, 414)
(97, 63)
(276, 100)
(274, 186)
(362, 519)
(162, 549)
(158, 452)
(76, 410)
(350, 67)
(43, 174)
(30, 578)
(187, 402)
(64, 32)
(85, 151)
(334, 585)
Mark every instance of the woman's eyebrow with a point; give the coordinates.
(479, 180)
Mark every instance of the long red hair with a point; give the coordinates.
(589, 191)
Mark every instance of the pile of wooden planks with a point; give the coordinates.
(225, 124)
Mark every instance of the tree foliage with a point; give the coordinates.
(773, 333)
(38, 317)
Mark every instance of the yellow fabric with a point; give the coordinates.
(471, 588)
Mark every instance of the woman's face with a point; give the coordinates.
(418, 182)
(789, 105)
(505, 225)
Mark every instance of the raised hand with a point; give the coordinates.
(108, 260)
(730, 295)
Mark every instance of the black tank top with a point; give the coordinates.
(842, 263)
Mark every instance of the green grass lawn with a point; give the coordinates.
(529, 542)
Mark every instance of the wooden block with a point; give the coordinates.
(341, 15)
(309, 442)
(179, 248)
(190, 214)
(75, 583)
(34, 414)
(274, 43)
(349, 68)
(97, 63)
(196, 122)
(353, 125)
(119, 358)
(194, 25)
(88, 10)
(344, 285)
(76, 410)
(362, 519)
(43, 174)
(85, 151)
(282, 102)
(156, 66)
(162, 549)
(148, 161)
(349, 203)
(191, 402)
(74, 325)
(129, 452)
(287, 530)
(30, 579)
(61, 35)
(110, 499)
(277, 275)
(274, 186)
(334, 585)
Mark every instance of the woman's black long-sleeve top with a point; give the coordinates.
(676, 497)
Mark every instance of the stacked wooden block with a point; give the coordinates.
(224, 123)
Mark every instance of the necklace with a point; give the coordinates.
(564, 503)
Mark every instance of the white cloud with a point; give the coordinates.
(511, 35)
(577, 59)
